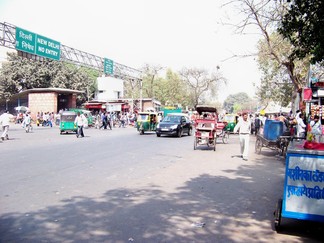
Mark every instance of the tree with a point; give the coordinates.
(237, 102)
(275, 82)
(18, 74)
(200, 83)
(303, 26)
(172, 90)
(266, 15)
(150, 80)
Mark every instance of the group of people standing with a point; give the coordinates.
(106, 119)
(296, 126)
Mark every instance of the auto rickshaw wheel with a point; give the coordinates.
(141, 131)
(195, 143)
(215, 139)
(277, 215)
(258, 146)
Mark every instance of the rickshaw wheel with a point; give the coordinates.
(225, 137)
(215, 139)
(284, 151)
(258, 146)
(195, 143)
(277, 215)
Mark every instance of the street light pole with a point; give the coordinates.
(141, 94)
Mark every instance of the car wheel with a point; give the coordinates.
(179, 134)
(190, 132)
(158, 134)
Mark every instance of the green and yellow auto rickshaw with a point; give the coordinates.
(67, 122)
(146, 122)
(231, 120)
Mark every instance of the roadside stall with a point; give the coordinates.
(303, 194)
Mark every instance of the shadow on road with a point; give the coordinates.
(206, 209)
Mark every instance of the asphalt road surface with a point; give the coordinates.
(119, 186)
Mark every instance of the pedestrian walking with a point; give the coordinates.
(4, 120)
(27, 122)
(109, 120)
(244, 129)
(257, 124)
(80, 121)
(104, 120)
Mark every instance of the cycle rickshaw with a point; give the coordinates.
(205, 127)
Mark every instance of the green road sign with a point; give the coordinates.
(25, 41)
(108, 66)
(36, 44)
(47, 48)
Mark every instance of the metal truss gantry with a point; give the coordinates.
(72, 55)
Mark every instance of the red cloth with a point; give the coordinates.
(308, 93)
(313, 145)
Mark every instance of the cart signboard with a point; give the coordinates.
(304, 187)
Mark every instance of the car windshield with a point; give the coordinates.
(173, 119)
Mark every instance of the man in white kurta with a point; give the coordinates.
(244, 129)
(4, 120)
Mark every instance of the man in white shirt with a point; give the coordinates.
(316, 128)
(301, 127)
(80, 121)
(5, 119)
(244, 128)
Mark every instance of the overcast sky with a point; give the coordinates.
(170, 33)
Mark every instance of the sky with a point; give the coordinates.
(172, 34)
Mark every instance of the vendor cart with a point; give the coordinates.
(273, 137)
(280, 144)
(303, 194)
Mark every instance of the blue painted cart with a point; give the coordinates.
(303, 195)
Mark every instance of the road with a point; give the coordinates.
(119, 186)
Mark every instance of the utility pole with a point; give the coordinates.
(141, 94)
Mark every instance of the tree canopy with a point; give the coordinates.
(19, 74)
(274, 51)
(238, 102)
(188, 87)
(303, 26)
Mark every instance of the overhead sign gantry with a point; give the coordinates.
(36, 46)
